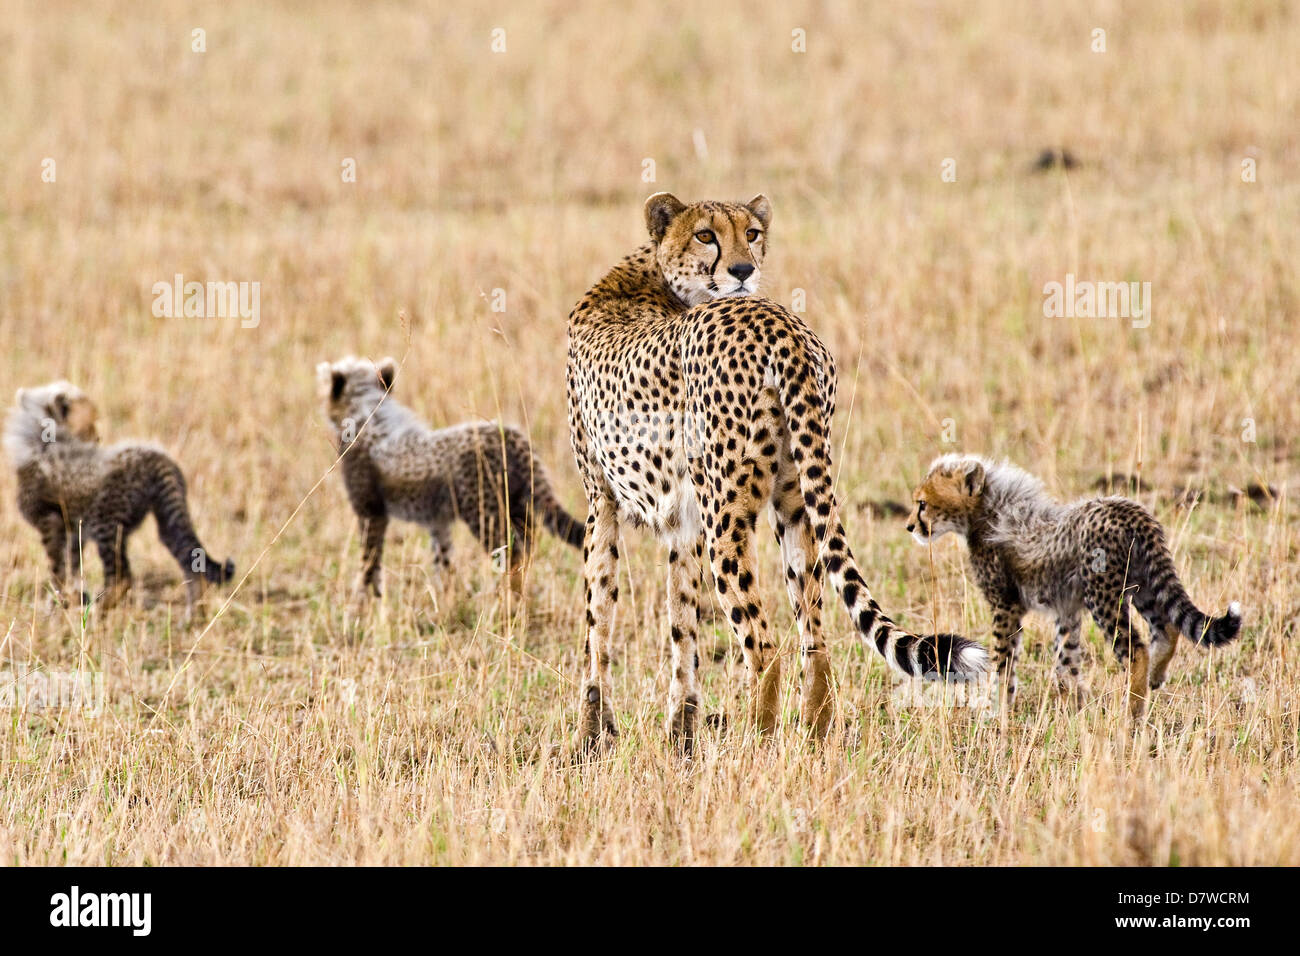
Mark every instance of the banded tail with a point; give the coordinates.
(913, 655)
(1177, 609)
(175, 528)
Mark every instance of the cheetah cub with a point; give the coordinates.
(394, 465)
(1029, 552)
(71, 488)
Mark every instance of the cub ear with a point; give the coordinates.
(660, 211)
(387, 372)
(60, 407)
(323, 376)
(761, 207)
(974, 479)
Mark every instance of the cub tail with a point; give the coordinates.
(1203, 630)
(1176, 607)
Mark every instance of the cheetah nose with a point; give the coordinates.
(742, 270)
(911, 528)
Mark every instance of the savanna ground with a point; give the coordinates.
(283, 728)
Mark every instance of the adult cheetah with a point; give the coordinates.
(692, 405)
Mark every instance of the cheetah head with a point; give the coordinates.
(351, 388)
(709, 250)
(47, 414)
(947, 499)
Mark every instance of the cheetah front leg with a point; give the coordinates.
(600, 573)
(683, 620)
(1006, 648)
(373, 528)
(62, 552)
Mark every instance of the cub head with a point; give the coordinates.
(947, 499)
(48, 414)
(350, 389)
(709, 250)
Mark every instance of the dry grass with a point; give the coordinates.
(436, 729)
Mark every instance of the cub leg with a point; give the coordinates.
(1068, 652)
(373, 528)
(1110, 611)
(110, 542)
(1006, 647)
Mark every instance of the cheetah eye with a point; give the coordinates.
(706, 236)
(753, 235)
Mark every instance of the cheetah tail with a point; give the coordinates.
(1177, 608)
(931, 656)
(1200, 628)
(175, 528)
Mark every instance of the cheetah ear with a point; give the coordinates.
(761, 207)
(323, 376)
(19, 395)
(974, 478)
(60, 407)
(387, 372)
(660, 211)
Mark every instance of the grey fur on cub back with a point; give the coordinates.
(482, 473)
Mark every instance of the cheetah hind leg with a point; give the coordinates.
(513, 559)
(683, 617)
(597, 730)
(803, 582)
(1111, 614)
(1069, 653)
(1163, 645)
(732, 557)
(1138, 686)
(111, 544)
(1132, 650)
